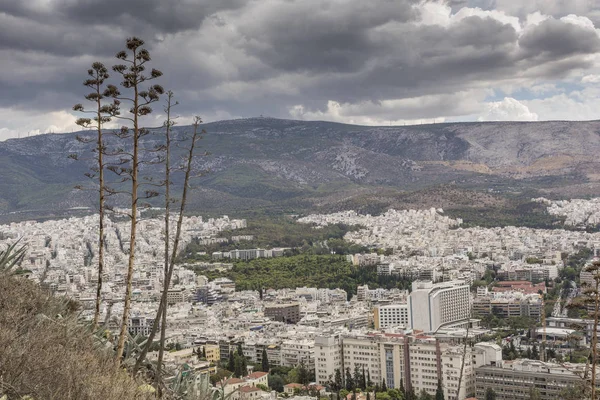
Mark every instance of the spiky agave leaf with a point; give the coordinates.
(11, 257)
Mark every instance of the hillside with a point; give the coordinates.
(265, 164)
(47, 354)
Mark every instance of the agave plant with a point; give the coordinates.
(11, 257)
(188, 385)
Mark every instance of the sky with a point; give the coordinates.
(376, 62)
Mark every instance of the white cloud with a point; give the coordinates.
(577, 105)
(591, 79)
(16, 123)
(410, 111)
(508, 109)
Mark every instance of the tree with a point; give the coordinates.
(303, 374)
(338, 380)
(535, 354)
(439, 393)
(244, 371)
(425, 396)
(369, 381)
(357, 377)
(490, 394)
(293, 376)
(276, 382)
(534, 394)
(363, 381)
(163, 315)
(240, 349)
(97, 76)
(592, 298)
(265, 361)
(464, 355)
(129, 165)
(187, 168)
(402, 390)
(349, 381)
(231, 361)
(383, 385)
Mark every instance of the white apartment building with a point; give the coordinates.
(362, 352)
(416, 361)
(294, 352)
(328, 357)
(391, 315)
(432, 306)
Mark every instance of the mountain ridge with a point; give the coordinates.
(270, 163)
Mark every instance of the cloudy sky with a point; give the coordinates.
(356, 61)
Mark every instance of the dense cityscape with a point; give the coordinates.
(507, 290)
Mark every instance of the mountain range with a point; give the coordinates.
(275, 165)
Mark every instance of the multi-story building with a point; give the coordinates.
(213, 352)
(507, 305)
(295, 352)
(416, 361)
(514, 380)
(391, 315)
(288, 312)
(175, 296)
(328, 357)
(432, 306)
(140, 325)
(362, 293)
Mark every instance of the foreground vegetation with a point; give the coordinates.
(46, 354)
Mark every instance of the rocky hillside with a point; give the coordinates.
(273, 164)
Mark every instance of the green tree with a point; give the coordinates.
(265, 361)
(349, 381)
(535, 354)
(244, 366)
(402, 390)
(383, 396)
(231, 361)
(276, 382)
(383, 385)
(363, 379)
(439, 393)
(357, 377)
(425, 396)
(293, 376)
(338, 380)
(534, 394)
(490, 394)
(303, 374)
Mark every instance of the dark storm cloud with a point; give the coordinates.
(558, 39)
(244, 57)
(163, 16)
(322, 36)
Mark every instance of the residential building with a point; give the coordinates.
(514, 380)
(391, 315)
(287, 312)
(432, 306)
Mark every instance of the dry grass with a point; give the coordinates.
(46, 354)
